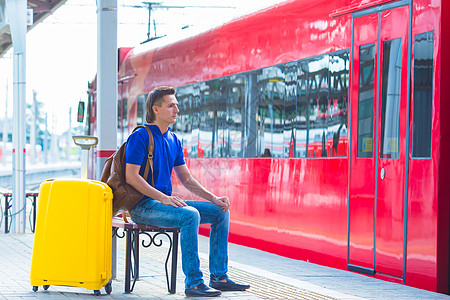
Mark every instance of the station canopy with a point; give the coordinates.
(41, 10)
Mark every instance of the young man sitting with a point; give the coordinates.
(160, 208)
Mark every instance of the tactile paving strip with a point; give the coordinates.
(261, 286)
(271, 289)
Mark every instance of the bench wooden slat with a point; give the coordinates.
(119, 223)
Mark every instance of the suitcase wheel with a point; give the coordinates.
(97, 293)
(35, 288)
(45, 287)
(108, 288)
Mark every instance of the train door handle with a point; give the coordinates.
(382, 173)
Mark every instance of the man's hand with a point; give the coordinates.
(223, 202)
(175, 201)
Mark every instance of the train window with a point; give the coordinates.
(422, 94)
(297, 109)
(366, 100)
(250, 115)
(390, 98)
(206, 125)
(218, 107)
(317, 80)
(235, 115)
(119, 114)
(183, 126)
(290, 108)
(120, 135)
(338, 104)
(272, 93)
(302, 116)
(125, 118)
(195, 150)
(140, 114)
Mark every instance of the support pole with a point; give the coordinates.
(106, 81)
(5, 127)
(107, 89)
(17, 12)
(69, 137)
(33, 125)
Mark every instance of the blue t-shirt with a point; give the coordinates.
(168, 153)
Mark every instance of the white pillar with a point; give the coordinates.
(33, 125)
(106, 89)
(54, 141)
(45, 144)
(69, 137)
(17, 14)
(5, 127)
(106, 81)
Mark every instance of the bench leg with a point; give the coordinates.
(173, 274)
(33, 199)
(34, 213)
(134, 262)
(136, 256)
(114, 256)
(128, 261)
(6, 213)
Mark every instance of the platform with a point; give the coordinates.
(270, 276)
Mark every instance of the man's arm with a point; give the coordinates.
(190, 183)
(138, 182)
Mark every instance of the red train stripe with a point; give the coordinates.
(105, 153)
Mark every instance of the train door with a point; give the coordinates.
(379, 131)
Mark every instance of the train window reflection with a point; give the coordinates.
(124, 118)
(297, 109)
(183, 126)
(390, 98)
(302, 116)
(271, 111)
(235, 114)
(316, 74)
(423, 94)
(206, 125)
(140, 114)
(366, 100)
(195, 150)
(338, 105)
(120, 123)
(217, 110)
(290, 108)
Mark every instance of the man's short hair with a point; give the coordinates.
(156, 97)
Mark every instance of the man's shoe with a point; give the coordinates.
(229, 285)
(202, 290)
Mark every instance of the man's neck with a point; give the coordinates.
(163, 126)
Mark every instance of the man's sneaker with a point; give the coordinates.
(202, 290)
(229, 285)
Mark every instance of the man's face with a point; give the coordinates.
(168, 110)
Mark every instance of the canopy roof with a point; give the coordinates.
(41, 10)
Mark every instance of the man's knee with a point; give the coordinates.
(191, 215)
(226, 215)
(223, 217)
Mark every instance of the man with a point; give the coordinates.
(160, 208)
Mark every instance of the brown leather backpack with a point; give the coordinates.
(113, 174)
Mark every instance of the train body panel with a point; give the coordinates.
(324, 122)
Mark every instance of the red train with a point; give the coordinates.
(324, 122)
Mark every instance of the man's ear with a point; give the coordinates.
(155, 109)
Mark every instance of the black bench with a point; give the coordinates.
(132, 231)
(32, 196)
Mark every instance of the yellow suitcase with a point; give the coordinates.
(72, 242)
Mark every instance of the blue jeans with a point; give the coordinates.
(152, 212)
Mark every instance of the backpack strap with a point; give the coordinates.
(148, 165)
(151, 149)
